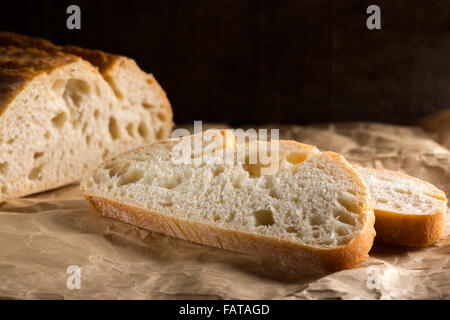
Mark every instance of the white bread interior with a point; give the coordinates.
(314, 203)
(59, 118)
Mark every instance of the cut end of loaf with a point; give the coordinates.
(62, 117)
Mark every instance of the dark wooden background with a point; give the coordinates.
(288, 61)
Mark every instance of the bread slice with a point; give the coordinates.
(59, 118)
(408, 211)
(135, 90)
(305, 207)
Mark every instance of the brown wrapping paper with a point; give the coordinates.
(42, 236)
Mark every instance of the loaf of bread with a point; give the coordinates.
(60, 114)
(304, 207)
(408, 211)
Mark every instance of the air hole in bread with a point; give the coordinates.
(131, 130)
(83, 129)
(263, 217)
(296, 158)
(148, 106)
(119, 170)
(166, 203)
(88, 140)
(10, 141)
(218, 170)
(348, 203)
(58, 85)
(161, 116)
(47, 135)
(4, 189)
(274, 193)
(143, 130)
(216, 217)
(239, 181)
(160, 133)
(35, 173)
(108, 166)
(75, 91)
(96, 113)
(231, 216)
(114, 130)
(132, 176)
(169, 184)
(97, 177)
(37, 155)
(342, 231)
(402, 191)
(316, 220)
(59, 120)
(3, 167)
(291, 229)
(381, 200)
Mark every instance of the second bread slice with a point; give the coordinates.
(312, 210)
(408, 211)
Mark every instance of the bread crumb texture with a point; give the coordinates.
(59, 116)
(310, 199)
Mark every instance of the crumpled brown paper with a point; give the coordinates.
(42, 235)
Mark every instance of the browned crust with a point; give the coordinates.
(409, 230)
(415, 230)
(11, 83)
(21, 41)
(98, 58)
(307, 257)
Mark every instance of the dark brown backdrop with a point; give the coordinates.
(292, 61)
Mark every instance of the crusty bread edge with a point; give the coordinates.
(291, 253)
(414, 230)
(409, 230)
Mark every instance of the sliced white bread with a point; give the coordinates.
(408, 211)
(305, 207)
(59, 117)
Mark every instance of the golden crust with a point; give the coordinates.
(291, 253)
(409, 230)
(306, 257)
(416, 230)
